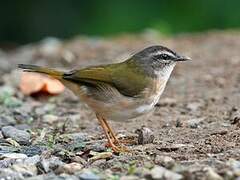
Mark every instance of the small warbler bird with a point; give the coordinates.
(119, 91)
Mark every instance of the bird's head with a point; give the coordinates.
(158, 60)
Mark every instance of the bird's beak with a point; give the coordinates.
(183, 58)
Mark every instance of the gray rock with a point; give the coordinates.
(6, 120)
(131, 177)
(33, 150)
(32, 160)
(70, 168)
(194, 106)
(159, 172)
(22, 137)
(49, 176)
(98, 147)
(212, 175)
(145, 135)
(25, 170)
(51, 164)
(22, 127)
(165, 161)
(13, 156)
(194, 123)
(10, 174)
(88, 175)
(49, 118)
(79, 137)
(68, 177)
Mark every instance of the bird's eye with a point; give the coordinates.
(163, 56)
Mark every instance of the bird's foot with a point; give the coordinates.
(117, 147)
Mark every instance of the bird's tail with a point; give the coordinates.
(38, 69)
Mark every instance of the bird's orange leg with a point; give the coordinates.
(116, 140)
(106, 131)
(112, 134)
(113, 137)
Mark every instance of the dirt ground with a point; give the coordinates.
(196, 123)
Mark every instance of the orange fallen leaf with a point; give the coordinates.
(31, 83)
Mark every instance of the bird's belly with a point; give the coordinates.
(122, 110)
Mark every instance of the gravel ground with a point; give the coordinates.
(195, 125)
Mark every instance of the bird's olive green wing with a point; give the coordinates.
(126, 79)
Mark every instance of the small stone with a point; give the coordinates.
(47, 108)
(67, 177)
(25, 170)
(235, 166)
(12, 102)
(234, 116)
(22, 137)
(51, 164)
(88, 175)
(22, 127)
(194, 123)
(32, 160)
(33, 150)
(167, 102)
(6, 120)
(79, 137)
(13, 156)
(70, 168)
(49, 118)
(159, 172)
(6, 92)
(194, 106)
(212, 175)
(145, 135)
(9, 174)
(98, 147)
(98, 156)
(50, 176)
(165, 161)
(131, 177)
(79, 159)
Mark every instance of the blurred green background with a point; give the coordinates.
(28, 20)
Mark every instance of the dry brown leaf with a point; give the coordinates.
(34, 83)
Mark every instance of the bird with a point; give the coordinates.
(119, 91)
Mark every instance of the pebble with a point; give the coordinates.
(159, 172)
(9, 174)
(32, 160)
(68, 177)
(33, 150)
(145, 135)
(98, 147)
(22, 137)
(45, 177)
(194, 106)
(51, 164)
(212, 175)
(131, 177)
(25, 170)
(13, 156)
(165, 161)
(194, 123)
(22, 127)
(6, 120)
(70, 168)
(79, 137)
(88, 175)
(49, 118)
